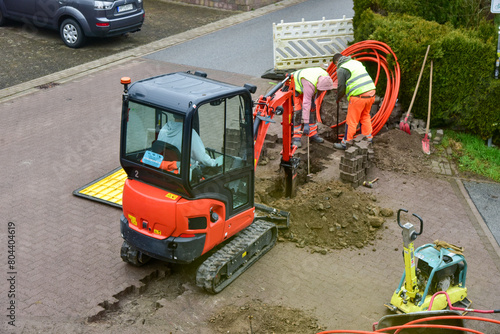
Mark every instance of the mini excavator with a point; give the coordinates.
(176, 208)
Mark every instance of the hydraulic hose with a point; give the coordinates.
(378, 53)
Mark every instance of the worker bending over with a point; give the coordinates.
(355, 82)
(309, 83)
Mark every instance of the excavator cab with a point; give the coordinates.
(187, 149)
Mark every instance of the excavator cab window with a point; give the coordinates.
(147, 141)
(224, 129)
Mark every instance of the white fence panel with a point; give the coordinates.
(313, 43)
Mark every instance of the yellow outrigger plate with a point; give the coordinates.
(107, 189)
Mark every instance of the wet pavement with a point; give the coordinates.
(68, 267)
(29, 52)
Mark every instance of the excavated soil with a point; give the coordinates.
(328, 214)
(331, 215)
(258, 317)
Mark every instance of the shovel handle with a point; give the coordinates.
(430, 97)
(337, 127)
(418, 81)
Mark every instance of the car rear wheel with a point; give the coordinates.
(2, 18)
(72, 34)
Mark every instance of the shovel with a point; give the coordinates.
(425, 142)
(403, 125)
(308, 159)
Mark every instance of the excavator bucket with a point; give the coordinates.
(280, 218)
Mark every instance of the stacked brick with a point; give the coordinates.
(357, 161)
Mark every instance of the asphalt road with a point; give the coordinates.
(29, 52)
(246, 48)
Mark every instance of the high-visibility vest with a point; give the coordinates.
(360, 81)
(310, 74)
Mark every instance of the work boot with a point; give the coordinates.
(339, 146)
(297, 143)
(317, 139)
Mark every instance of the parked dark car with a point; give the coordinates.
(77, 19)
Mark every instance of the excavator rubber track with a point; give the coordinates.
(229, 262)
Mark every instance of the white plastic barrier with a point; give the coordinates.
(313, 43)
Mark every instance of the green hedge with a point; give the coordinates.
(486, 104)
(458, 13)
(464, 93)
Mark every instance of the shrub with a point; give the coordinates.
(458, 13)
(463, 90)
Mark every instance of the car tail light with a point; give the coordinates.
(102, 24)
(101, 5)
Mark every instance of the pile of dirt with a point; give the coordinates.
(331, 215)
(398, 151)
(258, 317)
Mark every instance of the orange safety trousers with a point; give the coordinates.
(358, 111)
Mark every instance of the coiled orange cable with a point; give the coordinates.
(377, 52)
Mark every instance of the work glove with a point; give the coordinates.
(306, 129)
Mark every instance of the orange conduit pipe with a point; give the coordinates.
(348, 331)
(461, 329)
(414, 324)
(377, 52)
(451, 317)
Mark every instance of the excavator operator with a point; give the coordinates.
(171, 133)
